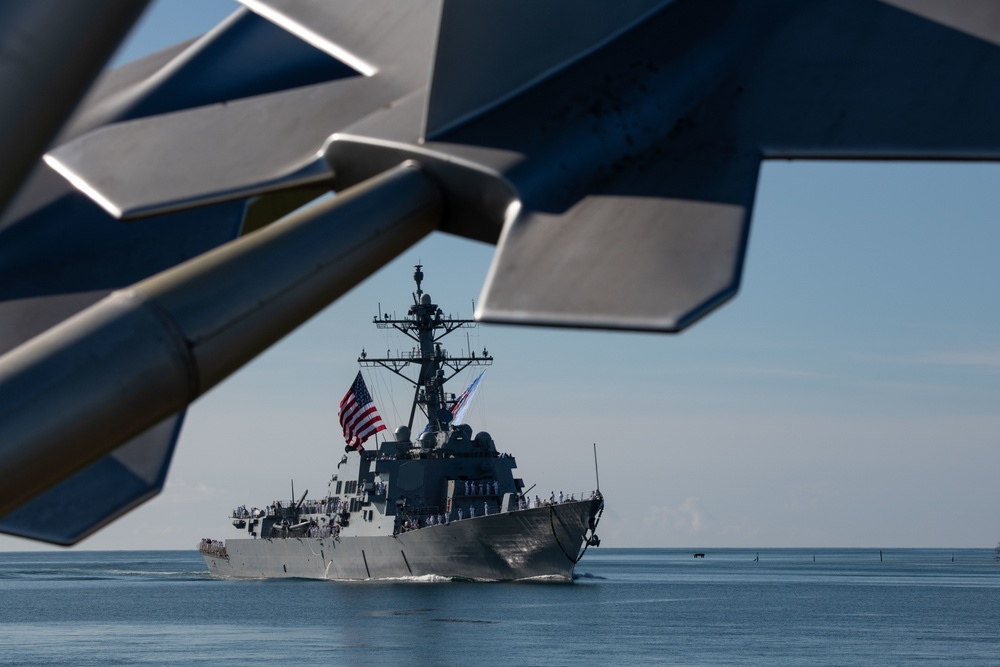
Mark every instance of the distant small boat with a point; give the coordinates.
(701, 555)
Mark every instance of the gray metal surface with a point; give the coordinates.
(489, 52)
(614, 146)
(633, 129)
(502, 547)
(55, 244)
(381, 39)
(244, 56)
(50, 53)
(142, 354)
(100, 492)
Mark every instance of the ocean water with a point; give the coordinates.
(626, 607)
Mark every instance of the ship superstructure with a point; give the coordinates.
(442, 502)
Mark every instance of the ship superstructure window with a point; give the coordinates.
(339, 484)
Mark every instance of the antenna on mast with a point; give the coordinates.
(597, 472)
(418, 276)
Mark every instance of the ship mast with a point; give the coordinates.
(422, 323)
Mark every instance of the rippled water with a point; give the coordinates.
(627, 606)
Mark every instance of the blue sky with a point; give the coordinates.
(849, 395)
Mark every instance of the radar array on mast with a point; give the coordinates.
(421, 323)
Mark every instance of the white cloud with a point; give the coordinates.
(986, 361)
(179, 492)
(779, 372)
(689, 517)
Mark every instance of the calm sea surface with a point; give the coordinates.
(627, 607)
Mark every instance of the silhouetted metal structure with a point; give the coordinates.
(610, 150)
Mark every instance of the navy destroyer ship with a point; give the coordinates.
(445, 503)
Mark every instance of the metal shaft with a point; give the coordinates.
(143, 353)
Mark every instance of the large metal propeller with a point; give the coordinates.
(610, 150)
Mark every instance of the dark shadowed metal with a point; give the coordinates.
(50, 53)
(145, 352)
(610, 151)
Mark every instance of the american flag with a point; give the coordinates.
(358, 415)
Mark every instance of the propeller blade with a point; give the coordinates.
(131, 360)
(611, 151)
(99, 493)
(53, 51)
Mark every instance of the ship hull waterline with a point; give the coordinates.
(543, 542)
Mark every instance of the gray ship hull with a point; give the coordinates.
(540, 542)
